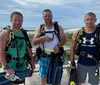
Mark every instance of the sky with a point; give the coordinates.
(68, 13)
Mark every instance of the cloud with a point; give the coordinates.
(51, 2)
(34, 6)
(4, 12)
(69, 13)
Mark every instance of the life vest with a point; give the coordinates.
(79, 40)
(22, 74)
(12, 36)
(42, 32)
(56, 30)
(79, 37)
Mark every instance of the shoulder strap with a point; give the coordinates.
(79, 33)
(26, 38)
(56, 27)
(42, 31)
(11, 35)
(42, 28)
(98, 32)
(79, 40)
(98, 40)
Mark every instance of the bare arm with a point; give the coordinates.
(63, 38)
(31, 56)
(30, 53)
(3, 42)
(62, 41)
(73, 47)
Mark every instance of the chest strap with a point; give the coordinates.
(83, 53)
(18, 59)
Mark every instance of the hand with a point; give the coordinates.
(10, 71)
(33, 65)
(47, 39)
(72, 67)
(56, 49)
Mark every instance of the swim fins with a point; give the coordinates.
(3, 80)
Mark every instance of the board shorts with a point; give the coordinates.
(43, 63)
(82, 74)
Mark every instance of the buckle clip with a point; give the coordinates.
(89, 56)
(82, 53)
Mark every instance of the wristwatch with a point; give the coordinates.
(6, 67)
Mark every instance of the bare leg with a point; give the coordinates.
(43, 81)
(79, 84)
(15, 84)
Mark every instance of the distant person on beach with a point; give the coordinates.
(14, 53)
(49, 43)
(84, 45)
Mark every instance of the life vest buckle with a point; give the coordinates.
(82, 53)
